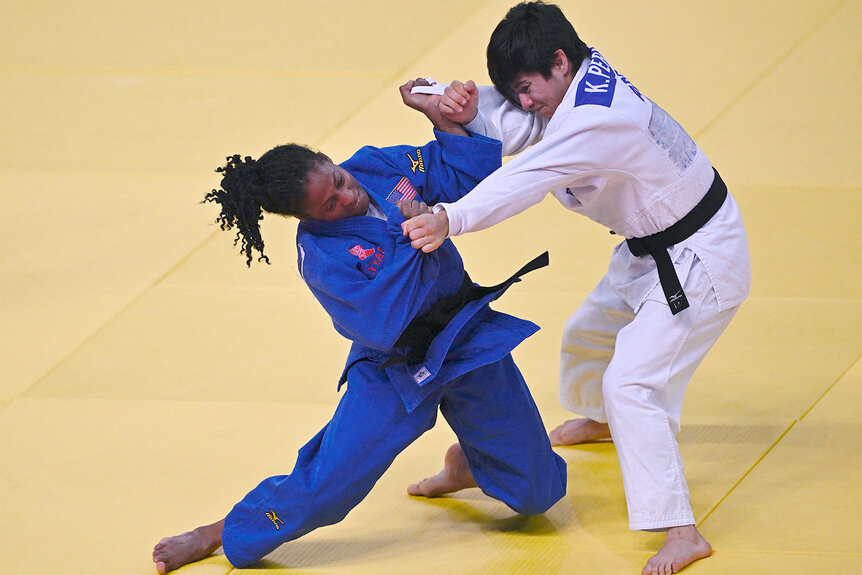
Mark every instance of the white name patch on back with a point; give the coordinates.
(672, 138)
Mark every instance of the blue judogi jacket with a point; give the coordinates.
(373, 283)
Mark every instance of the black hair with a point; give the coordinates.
(526, 40)
(275, 183)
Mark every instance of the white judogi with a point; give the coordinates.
(614, 156)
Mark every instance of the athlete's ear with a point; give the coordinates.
(561, 61)
(324, 157)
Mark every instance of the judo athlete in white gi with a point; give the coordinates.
(606, 151)
(423, 338)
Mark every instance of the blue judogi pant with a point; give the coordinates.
(490, 410)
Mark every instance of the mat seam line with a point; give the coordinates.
(209, 237)
(116, 315)
(771, 68)
(748, 472)
(401, 73)
(724, 111)
(778, 440)
(831, 387)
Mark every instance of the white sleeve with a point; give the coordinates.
(517, 185)
(500, 119)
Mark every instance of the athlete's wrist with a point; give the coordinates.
(442, 219)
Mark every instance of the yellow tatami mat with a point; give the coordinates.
(148, 379)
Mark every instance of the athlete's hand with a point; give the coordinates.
(412, 208)
(460, 102)
(425, 103)
(429, 104)
(427, 231)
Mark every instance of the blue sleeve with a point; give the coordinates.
(442, 170)
(456, 164)
(370, 311)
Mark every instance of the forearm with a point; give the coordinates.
(519, 184)
(443, 124)
(428, 104)
(456, 164)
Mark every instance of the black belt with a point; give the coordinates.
(656, 245)
(419, 334)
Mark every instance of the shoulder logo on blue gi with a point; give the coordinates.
(418, 162)
(421, 375)
(274, 518)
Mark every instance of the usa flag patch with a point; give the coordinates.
(403, 191)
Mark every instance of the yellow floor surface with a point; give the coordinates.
(148, 379)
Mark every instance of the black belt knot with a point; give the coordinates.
(657, 244)
(421, 331)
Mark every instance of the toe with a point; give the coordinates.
(418, 488)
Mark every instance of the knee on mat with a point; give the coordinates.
(538, 503)
(542, 497)
(534, 507)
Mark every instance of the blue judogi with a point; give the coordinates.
(373, 284)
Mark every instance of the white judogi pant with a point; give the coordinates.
(630, 368)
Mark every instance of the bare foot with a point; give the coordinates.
(684, 545)
(173, 552)
(455, 476)
(581, 430)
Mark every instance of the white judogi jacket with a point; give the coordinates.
(616, 157)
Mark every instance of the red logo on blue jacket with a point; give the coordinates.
(374, 264)
(359, 252)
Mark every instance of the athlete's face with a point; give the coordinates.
(331, 193)
(544, 95)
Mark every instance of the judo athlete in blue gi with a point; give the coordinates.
(423, 338)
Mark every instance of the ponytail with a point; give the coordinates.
(239, 197)
(275, 183)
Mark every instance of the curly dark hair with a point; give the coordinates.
(275, 183)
